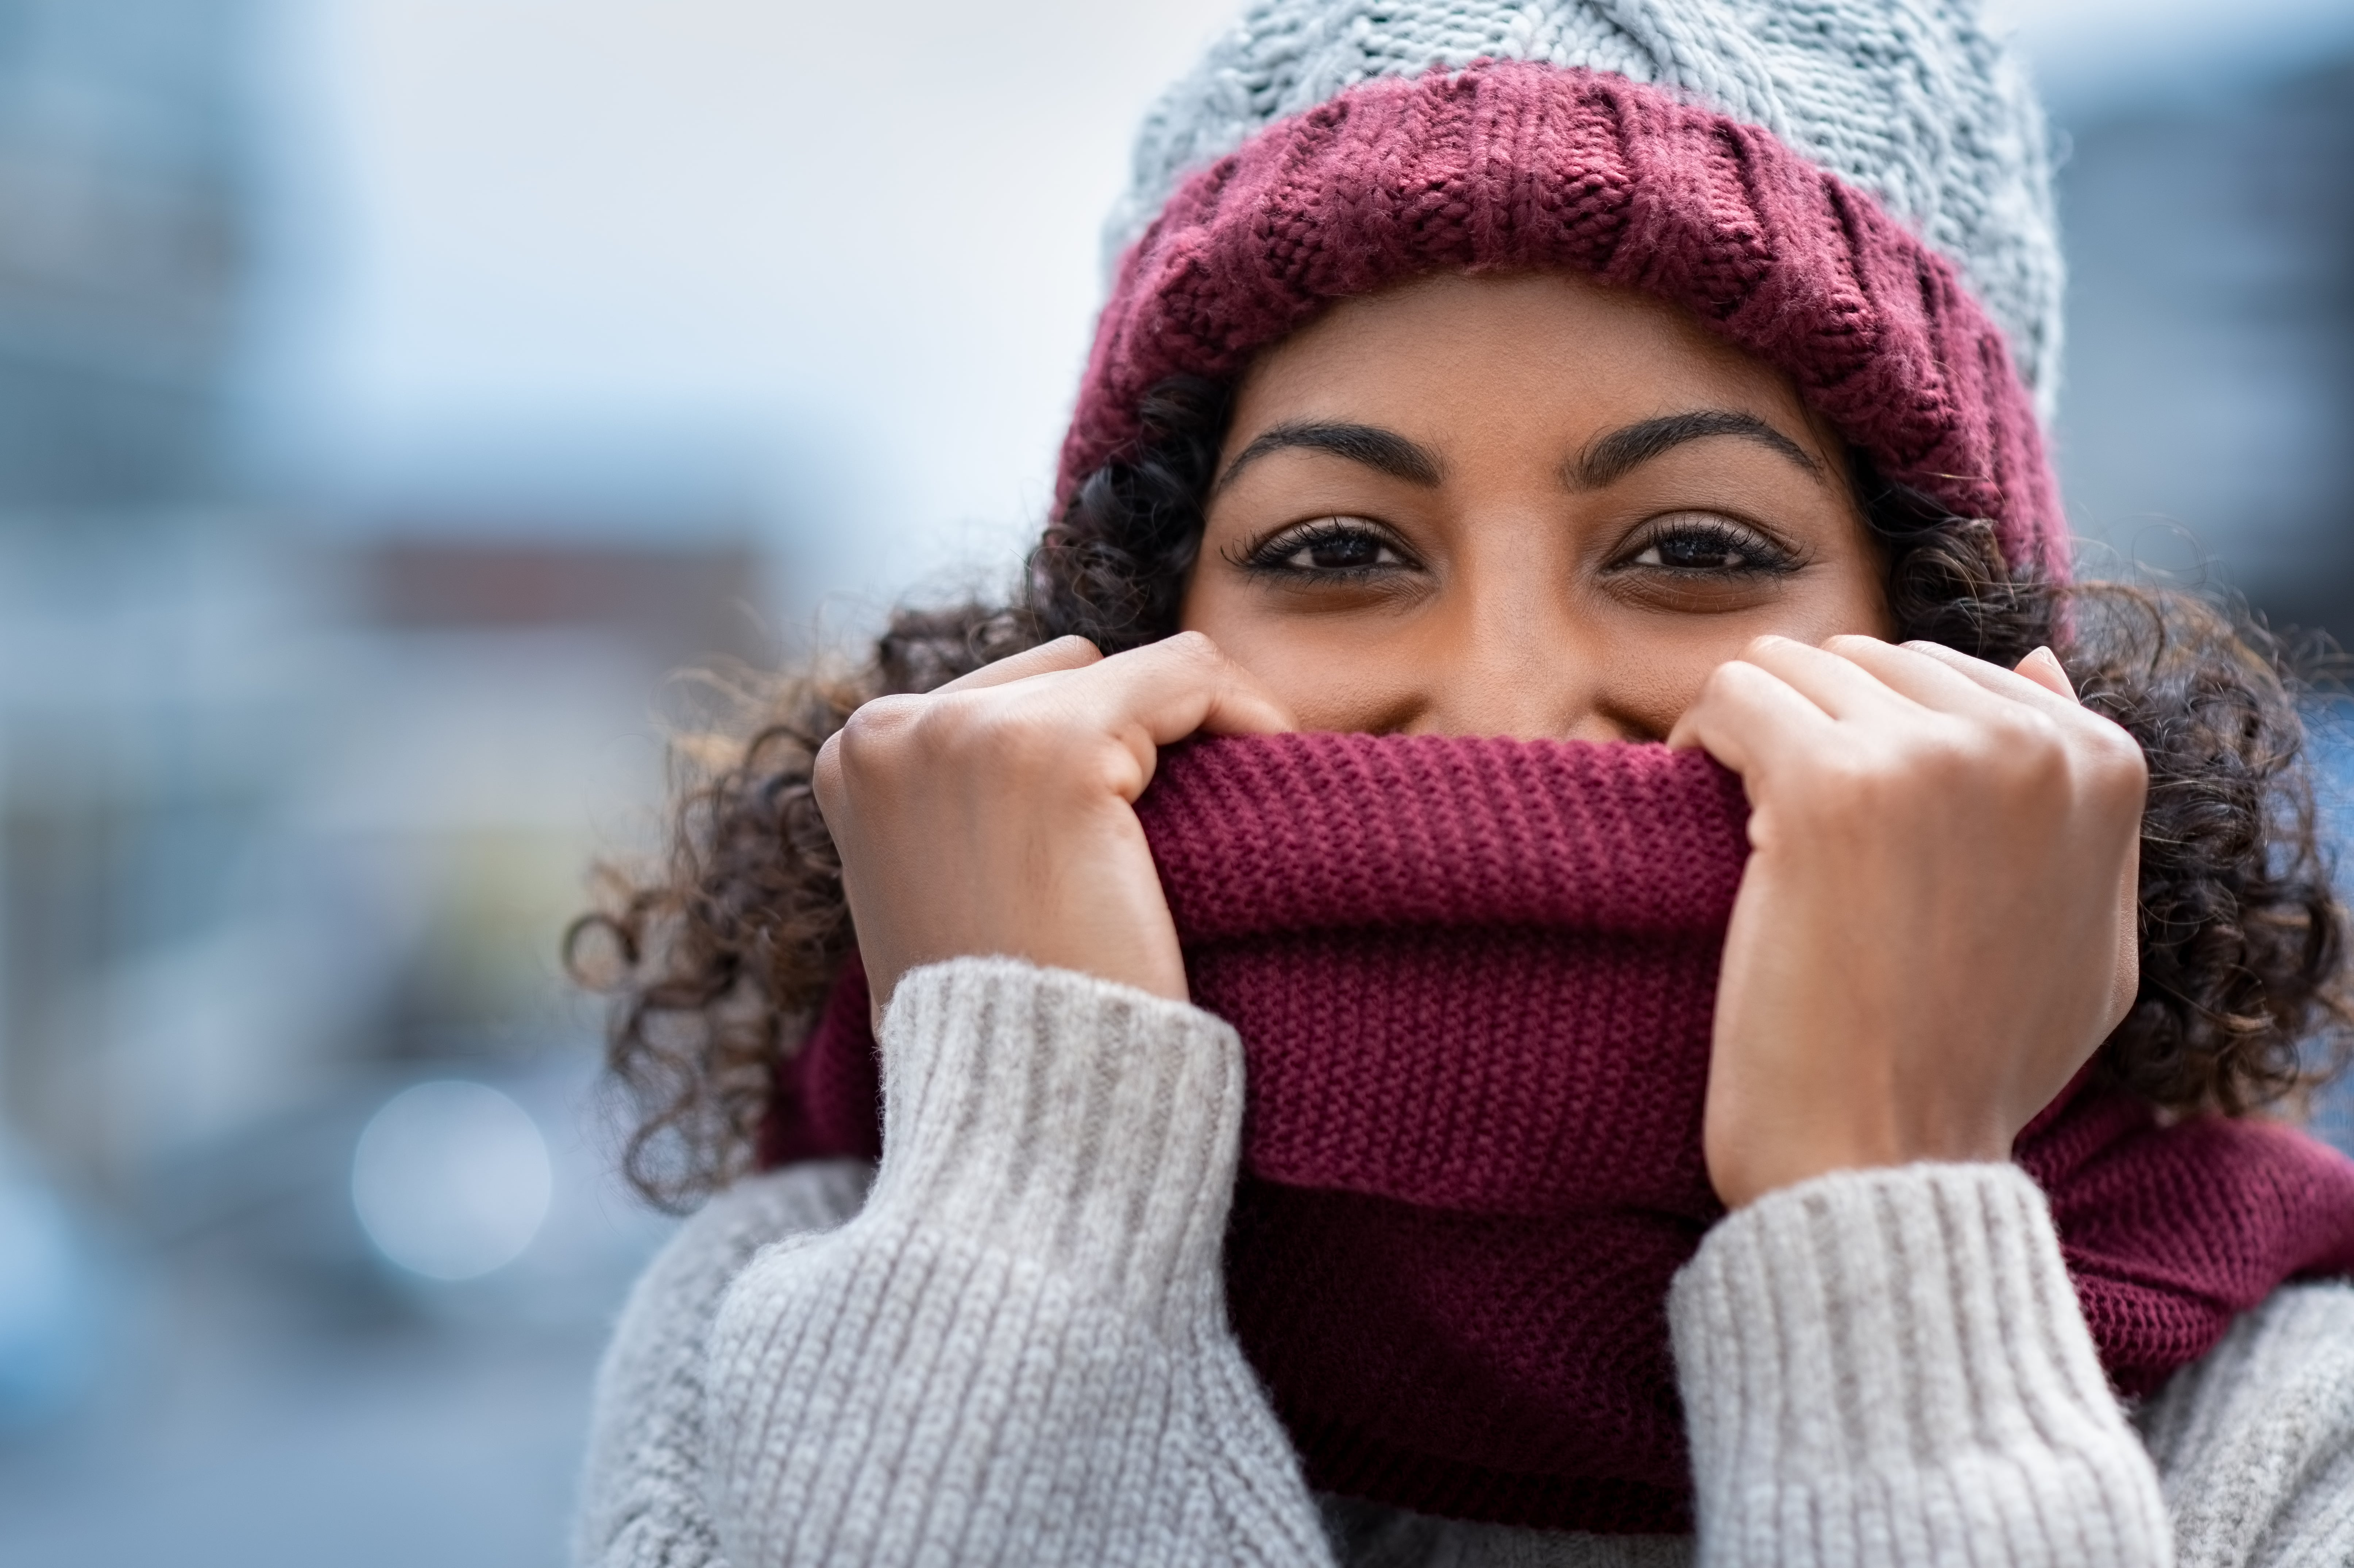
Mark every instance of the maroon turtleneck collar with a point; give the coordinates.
(1474, 981)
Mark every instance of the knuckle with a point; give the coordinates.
(965, 723)
(1191, 648)
(1935, 751)
(825, 774)
(872, 728)
(2016, 725)
(2014, 746)
(1725, 682)
(1000, 732)
(1908, 768)
(2117, 759)
(902, 733)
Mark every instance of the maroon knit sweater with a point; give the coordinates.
(1474, 981)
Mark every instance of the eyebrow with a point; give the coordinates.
(1370, 445)
(1605, 459)
(1610, 458)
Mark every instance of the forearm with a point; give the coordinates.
(1890, 1367)
(1017, 1351)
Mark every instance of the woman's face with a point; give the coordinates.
(1524, 505)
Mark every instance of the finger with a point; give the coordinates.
(1834, 683)
(1943, 686)
(1062, 653)
(2042, 666)
(1244, 706)
(1749, 718)
(1156, 695)
(1186, 683)
(2015, 685)
(825, 781)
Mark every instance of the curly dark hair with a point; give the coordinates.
(718, 959)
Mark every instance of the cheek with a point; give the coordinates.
(1657, 665)
(1332, 672)
(1189, 600)
(1648, 688)
(1854, 597)
(1852, 600)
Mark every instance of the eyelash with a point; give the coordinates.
(1759, 555)
(1271, 557)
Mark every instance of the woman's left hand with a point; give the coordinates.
(1937, 924)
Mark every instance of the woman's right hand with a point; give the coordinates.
(996, 814)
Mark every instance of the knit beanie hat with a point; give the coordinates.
(1855, 191)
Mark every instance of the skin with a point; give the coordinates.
(1532, 506)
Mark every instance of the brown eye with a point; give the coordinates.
(1334, 547)
(1690, 553)
(1340, 553)
(1712, 546)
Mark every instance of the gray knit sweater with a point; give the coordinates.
(1007, 1345)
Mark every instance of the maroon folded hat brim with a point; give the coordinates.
(1509, 167)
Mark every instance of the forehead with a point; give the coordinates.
(1537, 349)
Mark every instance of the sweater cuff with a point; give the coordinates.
(1086, 1126)
(1902, 1345)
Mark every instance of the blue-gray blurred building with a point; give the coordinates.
(124, 218)
(2208, 413)
(287, 824)
(122, 179)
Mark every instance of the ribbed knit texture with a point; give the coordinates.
(1912, 103)
(1013, 1354)
(1515, 166)
(645, 1497)
(1351, 901)
(1474, 980)
(1379, 918)
(1954, 1411)
(2170, 1232)
(1024, 1319)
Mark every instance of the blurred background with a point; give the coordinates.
(392, 391)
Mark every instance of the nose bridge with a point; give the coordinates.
(1516, 663)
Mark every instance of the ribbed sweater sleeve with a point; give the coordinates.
(1017, 1351)
(1890, 1367)
(643, 1502)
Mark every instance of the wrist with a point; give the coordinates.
(1757, 1155)
(1086, 1126)
(1876, 1347)
(1083, 898)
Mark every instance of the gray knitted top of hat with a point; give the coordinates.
(1910, 100)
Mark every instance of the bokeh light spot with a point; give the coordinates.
(452, 1180)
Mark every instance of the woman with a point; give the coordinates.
(1650, 380)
